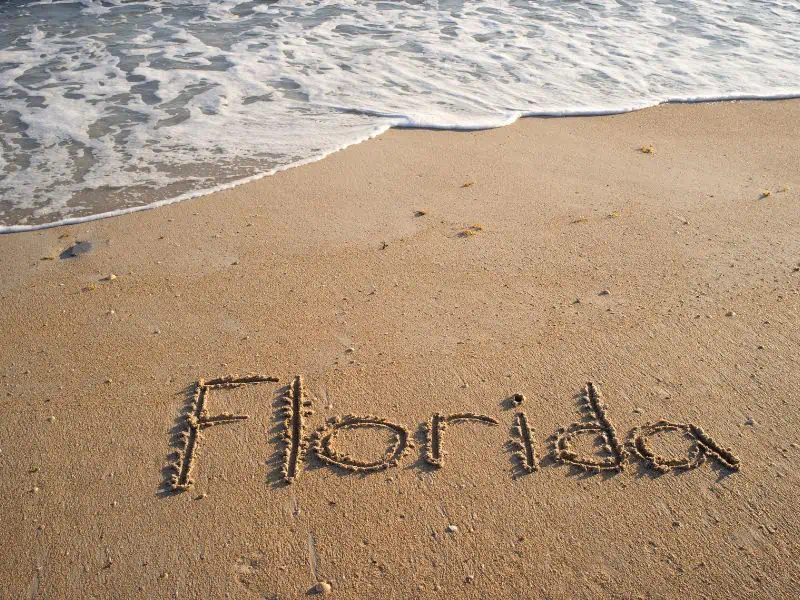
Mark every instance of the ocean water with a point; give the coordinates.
(108, 106)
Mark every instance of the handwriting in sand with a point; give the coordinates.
(296, 408)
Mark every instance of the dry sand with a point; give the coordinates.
(665, 278)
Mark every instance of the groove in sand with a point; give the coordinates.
(296, 409)
(525, 453)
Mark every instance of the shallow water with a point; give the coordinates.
(109, 106)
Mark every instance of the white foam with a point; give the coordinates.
(187, 196)
(148, 103)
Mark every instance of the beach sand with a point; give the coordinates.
(551, 253)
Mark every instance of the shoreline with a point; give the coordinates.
(640, 309)
(5, 229)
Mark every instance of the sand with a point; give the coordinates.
(417, 282)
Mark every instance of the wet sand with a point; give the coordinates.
(417, 282)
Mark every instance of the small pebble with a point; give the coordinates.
(469, 579)
(605, 293)
(51, 418)
(518, 399)
(323, 587)
(111, 277)
(730, 313)
(452, 528)
(76, 250)
(351, 349)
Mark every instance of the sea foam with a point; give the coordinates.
(108, 106)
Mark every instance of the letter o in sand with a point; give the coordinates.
(325, 442)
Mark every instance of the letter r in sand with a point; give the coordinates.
(434, 432)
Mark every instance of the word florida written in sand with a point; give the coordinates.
(611, 456)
